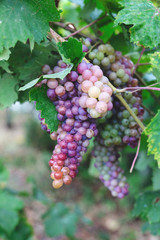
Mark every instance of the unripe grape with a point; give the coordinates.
(92, 55)
(102, 48)
(105, 61)
(111, 58)
(53, 136)
(94, 92)
(96, 61)
(120, 73)
(100, 56)
(112, 76)
(94, 113)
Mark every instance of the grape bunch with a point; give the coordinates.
(86, 108)
(75, 106)
(110, 171)
(119, 126)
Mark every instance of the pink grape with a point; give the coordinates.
(60, 90)
(94, 92)
(91, 102)
(86, 74)
(52, 83)
(85, 86)
(105, 97)
(101, 107)
(82, 101)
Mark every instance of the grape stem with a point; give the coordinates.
(69, 28)
(58, 38)
(143, 82)
(139, 89)
(117, 92)
(135, 158)
(83, 28)
(136, 65)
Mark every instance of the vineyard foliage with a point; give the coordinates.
(27, 43)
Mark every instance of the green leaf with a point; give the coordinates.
(145, 18)
(8, 201)
(107, 31)
(156, 179)
(144, 203)
(47, 108)
(4, 174)
(5, 66)
(8, 219)
(153, 215)
(23, 230)
(8, 94)
(154, 228)
(92, 170)
(153, 132)
(155, 61)
(59, 220)
(25, 20)
(71, 51)
(60, 75)
(4, 55)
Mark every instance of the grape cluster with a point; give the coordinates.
(86, 107)
(119, 126)
(77, 124)
(110, 172)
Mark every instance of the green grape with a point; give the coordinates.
(135, 110)
(113, 76)
(114, 132)
(128, 95)
(125, 78)
(133, 100)
(127, 132)
(100, 56)
(96, 61)
(125, 114)
(105, 62)
(111, 58)
(117, 82)
(92, 55)
(125, 122)
(121, 73)
(102, 48)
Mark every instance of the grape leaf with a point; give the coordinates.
(22, 20)
(153, 132)
(4, 55)
(153, 217)
(60, 75)
(144, 203)
(8, 201)
(156, 179)
(107, 31)
(5, 65)
(154, 228)
(8, 219)
(8, 94)
(65, 221)
(43, 104)
(155, 61)
(145, 18)
(71, 51)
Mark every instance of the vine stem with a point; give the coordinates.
(143, 49)
(139, 88)
(125, 104)
(68, 28)
(83, 28)
(135, 158)
(58, 38)
(143, 82)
